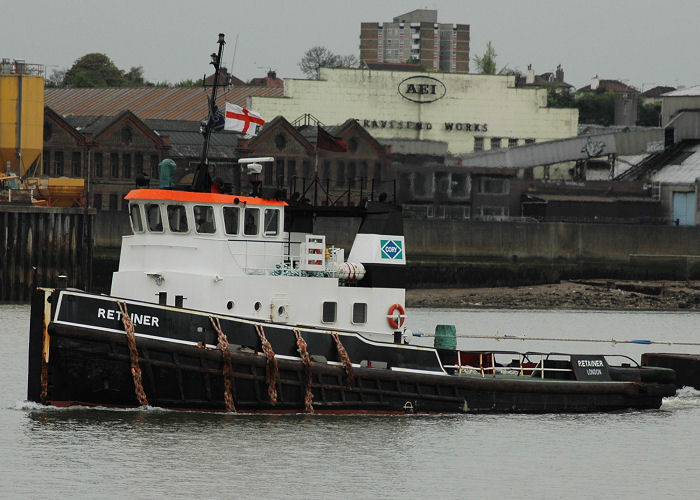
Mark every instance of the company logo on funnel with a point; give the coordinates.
(391, 249)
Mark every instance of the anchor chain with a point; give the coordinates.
(133, 354)
(271, 370)
(306, 360)
(228, 369)
(345, 359)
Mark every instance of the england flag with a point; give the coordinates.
(242, 120)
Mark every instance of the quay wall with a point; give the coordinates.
(37, 244)
(474, 253)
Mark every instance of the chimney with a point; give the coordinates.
(530, 75)
(559, 74)
(595, 83)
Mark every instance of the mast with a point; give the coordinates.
(201, 180)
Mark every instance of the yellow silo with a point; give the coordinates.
(21, 115)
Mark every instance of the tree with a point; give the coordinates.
(649, 115)
(320, 57)
(189, 83)
(55, 80)
(94, 70)
(486, 64)
(559, 98)
(596, 108)
(134, 77)
(349, 61)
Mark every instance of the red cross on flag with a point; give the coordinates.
(242, 120)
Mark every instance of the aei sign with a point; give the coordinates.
(422, 89)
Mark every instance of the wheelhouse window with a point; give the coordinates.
(136, 220)
(177, 218)
(359, 313)
(155, 222)
(252, 221)
(231, 220)
(272, 222)
(204, 219)
(329, 312)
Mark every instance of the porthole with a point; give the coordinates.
(280, 311)
(257, 306)
(229, 305)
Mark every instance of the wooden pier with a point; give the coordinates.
(37, 244)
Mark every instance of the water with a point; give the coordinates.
(49, 453)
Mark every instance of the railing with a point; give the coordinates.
(319, 191)
(524, 366)
(296, 258)
(19, 67)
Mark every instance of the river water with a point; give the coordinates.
(98, 453)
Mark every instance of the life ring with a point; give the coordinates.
(396, 320)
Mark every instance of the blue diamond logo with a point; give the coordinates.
(391, 249)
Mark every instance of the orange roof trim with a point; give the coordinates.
(172, 195)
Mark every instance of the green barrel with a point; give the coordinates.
(445, 337)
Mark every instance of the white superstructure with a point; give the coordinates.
(229, 254)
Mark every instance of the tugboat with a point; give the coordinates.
(226, 302)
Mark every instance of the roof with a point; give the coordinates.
(657, 91)
(610, 86)
(393, 66)
(543, 80)
(174, 195)
(189, 144)
(169, 103)
(683, 172)
(686, 92)
(270, 80)
(185, 137)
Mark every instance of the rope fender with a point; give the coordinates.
(306, 360)
(271, 370)
(228, 368)
(133, 354)
(345, 359)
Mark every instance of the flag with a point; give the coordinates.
(326, 141)
(242, 120)
(216, 123)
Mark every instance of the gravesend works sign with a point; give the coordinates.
(411, 125)
(423, 90)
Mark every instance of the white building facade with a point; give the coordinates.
(468, 112)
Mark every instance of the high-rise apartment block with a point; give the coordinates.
(417, 38)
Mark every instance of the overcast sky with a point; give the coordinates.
(642, 42)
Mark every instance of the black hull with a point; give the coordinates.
(90, 365)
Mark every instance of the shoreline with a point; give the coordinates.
(597, 294)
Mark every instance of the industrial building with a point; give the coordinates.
(466, 112)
